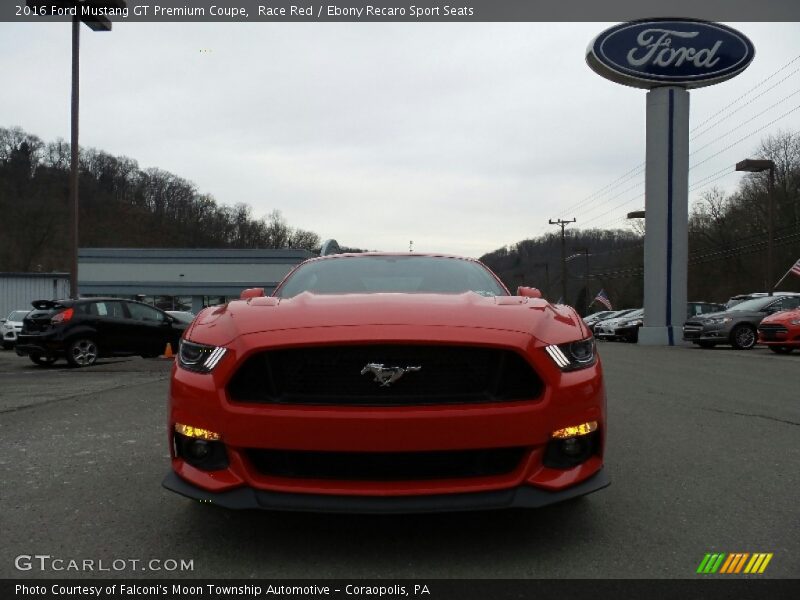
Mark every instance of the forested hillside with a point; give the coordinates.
(121, 205)
(727, 243)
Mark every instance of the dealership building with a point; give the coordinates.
(182, 279)
(172, 279)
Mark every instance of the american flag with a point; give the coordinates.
(602, 298)
(795, 270)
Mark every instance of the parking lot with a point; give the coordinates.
(702, 453)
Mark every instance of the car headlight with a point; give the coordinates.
(634, 323)
(198, 357)
(719, 320)
(574, 355)
(795, 322)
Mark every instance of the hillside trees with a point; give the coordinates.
(122, 205)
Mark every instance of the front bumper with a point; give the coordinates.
(568, 399)
(523, 496)
(706, 333)
(779, 336)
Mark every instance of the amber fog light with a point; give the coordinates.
(203, 454)
(567, 452)
(572, 446)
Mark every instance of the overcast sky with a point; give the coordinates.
(461, 137)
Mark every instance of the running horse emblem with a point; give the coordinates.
(386, 376)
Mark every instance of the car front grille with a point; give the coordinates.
(692, 330)
(772, 330)
(385, 466)
(332, 375)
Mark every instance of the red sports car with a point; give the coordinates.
(387, 383)
(781, 331)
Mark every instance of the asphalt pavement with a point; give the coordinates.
(702, 451)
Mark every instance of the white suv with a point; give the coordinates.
(10, 327)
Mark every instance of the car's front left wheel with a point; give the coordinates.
(82, 352)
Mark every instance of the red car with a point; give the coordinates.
(387, 383)
(781, 331)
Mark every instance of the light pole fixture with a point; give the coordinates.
(90, 12)
(751, 165)
(546, 266)
(585, 253)
(636, 214)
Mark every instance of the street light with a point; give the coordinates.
(757, 166)
(636, 214)
(96, 22)
(585, 253)
(546, 266)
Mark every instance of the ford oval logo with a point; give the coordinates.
(679, 52)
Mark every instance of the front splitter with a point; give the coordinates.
(519, 497)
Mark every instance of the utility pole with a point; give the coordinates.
(562, 223)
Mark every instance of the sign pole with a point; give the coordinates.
(666, 215)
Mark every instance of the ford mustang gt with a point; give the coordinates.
(387, 383)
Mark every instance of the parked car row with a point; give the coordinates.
(83, 330)
(746, 320)
(750, 319)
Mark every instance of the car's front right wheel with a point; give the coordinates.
(743, 337)
(781, 349)
(82, 352)
(42, 360)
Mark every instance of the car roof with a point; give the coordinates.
(414, 254)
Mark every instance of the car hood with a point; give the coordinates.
(783, 317)
(736, 315)
(536, 317)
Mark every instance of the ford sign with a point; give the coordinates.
(680, 52)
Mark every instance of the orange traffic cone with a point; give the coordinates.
(168, 352)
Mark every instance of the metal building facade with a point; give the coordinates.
(195, 277)
(18, 290)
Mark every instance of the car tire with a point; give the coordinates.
(706, 344)
(7, 345)
(42, 361)
(781, 349)
(82, 352)
(743, 337)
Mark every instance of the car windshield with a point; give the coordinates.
(399, 274)
(754, 304)
(17, 315)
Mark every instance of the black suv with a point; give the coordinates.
(85, 329)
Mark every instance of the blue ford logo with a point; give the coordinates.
(678, 52)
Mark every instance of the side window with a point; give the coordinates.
(108, 309)
(790, 303)
(140, 312)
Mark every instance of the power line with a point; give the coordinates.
(743, 123)
(742, 107)
(741, 139)
(637, 170)
(748, 92)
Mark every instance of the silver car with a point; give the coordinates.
(11, 326)
(606, 330)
